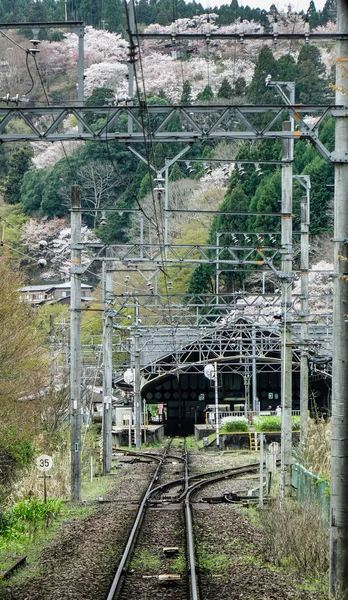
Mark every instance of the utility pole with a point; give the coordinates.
(339, 445)
(216, 388)
(107, 366)
(286, 337)
(254, 370)
(75, 343)
(304, 181)
(137, 380)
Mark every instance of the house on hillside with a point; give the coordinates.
(52, 292)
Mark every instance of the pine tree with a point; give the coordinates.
(266, 64)
(186, 96)
(240, 87)
(18, 165)
(206, 95)
(225, 90)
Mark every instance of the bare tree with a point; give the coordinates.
(99, 184)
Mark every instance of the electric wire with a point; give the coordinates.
(72, 172)
(12, 40)
(149, 151)
(29, 72)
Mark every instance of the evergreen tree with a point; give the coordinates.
(321, 174)
(267, 199)
(311, 85)
(286, 68)
(206, 95)
(201, 280)
(313, 16)
(186, 96)
(266, 64)
(32, 187)
(176, 173)
(19, 163)
(115, 16)
(240, 87)
(225, 90)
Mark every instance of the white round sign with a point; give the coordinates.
(44, 462)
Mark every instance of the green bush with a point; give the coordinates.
(269, 423)
(235, 425)
(24, 517)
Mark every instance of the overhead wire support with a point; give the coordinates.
(247, 36)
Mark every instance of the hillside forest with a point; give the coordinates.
(36, 178)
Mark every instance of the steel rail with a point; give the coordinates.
(146, 454)
(163, 486)
(189, 522)
(115, 586)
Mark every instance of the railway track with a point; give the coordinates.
(159, 558)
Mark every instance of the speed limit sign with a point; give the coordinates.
(44, 462)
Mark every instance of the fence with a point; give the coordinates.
(210, 415)
(310, 487)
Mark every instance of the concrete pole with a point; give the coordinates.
(166, 206)
(304, 314)
(286, 337)
(339, 445)
(217, 272)
(216, 386)
(80, 70)
(107, 366)
(261, 471)
(131, 67)
(253, 367)
(137, 390)
(75, 344)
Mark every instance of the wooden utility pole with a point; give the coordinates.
(75, 343)
(339, 443)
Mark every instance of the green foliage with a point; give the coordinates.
(97, 98)
(225, 90)
(234, 425)
(19, 163)
(25, 517)
(186, 96)
(240, 87)
(266, 65)
(206, 94)
(273, 423)
(201, 280)
(32, 187)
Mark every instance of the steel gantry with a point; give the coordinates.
(195, 123)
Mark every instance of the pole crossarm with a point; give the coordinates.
(196, 123)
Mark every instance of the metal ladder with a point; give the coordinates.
(254, 441)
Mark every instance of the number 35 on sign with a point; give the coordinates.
(44, 462)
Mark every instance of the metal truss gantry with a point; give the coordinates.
(195, 123)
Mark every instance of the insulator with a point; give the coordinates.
(132, 54)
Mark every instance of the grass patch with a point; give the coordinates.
(178, 563)
(234, 425)
(273, 423)
(145, 560)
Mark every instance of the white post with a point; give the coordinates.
(261, 471)
(217, 405)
